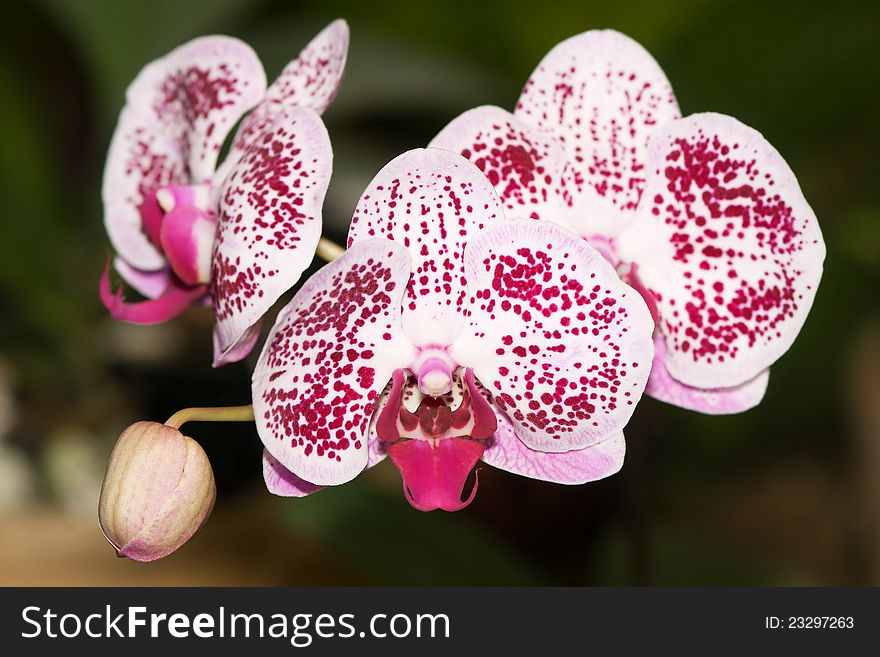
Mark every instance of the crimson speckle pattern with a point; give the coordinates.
(732, 270)
(431, 205)
(269, 219)
(742, 240)
(525, 165)
(178, 113)
(601, 94)
(327, 360)
(561, 343)
(311, 80)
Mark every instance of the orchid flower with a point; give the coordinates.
(700, 214)
(234, 237)
(447, 334)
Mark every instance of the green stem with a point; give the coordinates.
(328, 250)
(216, 414)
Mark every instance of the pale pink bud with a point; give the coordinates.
(158, 491)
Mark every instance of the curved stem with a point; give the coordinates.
(328, 250)
(216, 414)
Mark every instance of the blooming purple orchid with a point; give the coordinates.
(700, 214)
(447, 334)
(237, 236)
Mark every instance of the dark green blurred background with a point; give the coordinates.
(788, 493)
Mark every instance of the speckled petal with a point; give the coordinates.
(602, 95)
(328, 358)
(507, 452)
(729, 247)
(282, 482)
(713, 401)
(178, 112)
(525, 164)
(269, 224)
(311, 80)
(561, 343)
(431, 201)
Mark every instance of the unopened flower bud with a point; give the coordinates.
(158, 491)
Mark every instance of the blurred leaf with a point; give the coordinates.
(394, 544)
(35, 232)
(119, 38)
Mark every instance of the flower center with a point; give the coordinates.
(435, 441)
(433, 370)
(178, 222)
(435, 418)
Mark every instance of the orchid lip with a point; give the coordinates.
(173, 301)
(437, 445)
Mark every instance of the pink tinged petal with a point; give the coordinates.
(526, 165)
(713, 401)
(561, 343)
(174, 300)
(187, 237)
(178, 112)
(240, 349)
(282, 482)
(602, 95)
(150, 284)
(431, 201)
(506, 451)
(327, 359)
(729, 247)
(269, 224)
(434, 475)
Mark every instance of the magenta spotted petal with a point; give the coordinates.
(430, 201)
(310, 80)
(563, 345)
(239, 236)
(489, 325)
(713, 401)
(700, 215)
(601, 94)
(282, 482)
(178, 112)
(526, 165)
(729, 248)
(269, 224)
(327, 359)
(506, 451)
